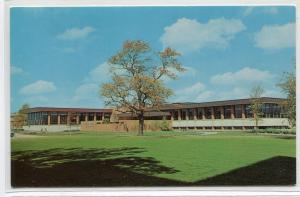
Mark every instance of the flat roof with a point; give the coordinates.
(169, 106)
(64, 109)
(185, 105)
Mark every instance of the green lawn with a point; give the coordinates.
(181, 157)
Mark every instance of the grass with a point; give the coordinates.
(180, 157)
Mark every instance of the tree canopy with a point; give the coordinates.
(288, 86)
(137, 73)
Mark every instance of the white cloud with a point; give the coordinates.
(76, 33)
(38, 87)
(235, 93)
(193, 89)
(100, 73)
(204, 96)
(189, 72)
(86, 92)
(276, 36)
(244, 75)
(188, 35)
(16, 70)
(248, 11)
(195, 93)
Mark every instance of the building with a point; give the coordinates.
(217, 115)
(61, 119)
(229, 114)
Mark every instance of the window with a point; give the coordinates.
(191, 114)
(238, 111)
(175, 115)
(53, 118)
(248, 112)
(227, 112)
(208, 113)
(199, 113)
(217, 112)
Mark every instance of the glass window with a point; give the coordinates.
(207, 112)
(227, 112)
(217, 112)
(238, 111)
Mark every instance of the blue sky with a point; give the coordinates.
(58, 55)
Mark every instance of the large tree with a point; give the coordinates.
(288, 86)
(137, 78)
(256, 104)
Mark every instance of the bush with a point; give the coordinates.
(164, 126)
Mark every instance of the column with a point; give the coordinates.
(103, 116)
(49, 118)
(179, 114)
(58, 118)
(203, 113)
(222, 115)
(232, 112)
(68, 118)
(222, 112)
(95, 117)
(195, 114)
(77, 119)
(172, 115)
(86, 117)
(212, 113)
(243, 111)
(187, 114)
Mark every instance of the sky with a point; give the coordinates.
(59, 55)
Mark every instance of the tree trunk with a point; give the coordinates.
(141, 124)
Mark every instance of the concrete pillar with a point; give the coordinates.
(172, 115)
(232, 112)
(49, 118)
(102, 116)
(203, 114)
(68, 118)
(179, 114)
(86, 117)
(77, 119)
(95, 117)
(187, 114)
(195, 114)
(58, 119)
(212, 113)
(222, 112)
(243, 112)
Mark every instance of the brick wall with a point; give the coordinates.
(124, 125)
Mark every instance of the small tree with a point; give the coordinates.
(288, 86)
(137, 78)
(21, 116)
(256, 104)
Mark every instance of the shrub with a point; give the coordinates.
(164, 126)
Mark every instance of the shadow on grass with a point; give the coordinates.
(86, 167)
(274, 171)
(122, 167)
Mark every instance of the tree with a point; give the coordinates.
(256, 104)
(137, 74)
(21, 116)
(288, 86)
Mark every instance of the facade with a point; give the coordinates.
(60, 119)
(230, 114)
(221, 115)
(217, 115)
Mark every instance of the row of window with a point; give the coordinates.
(268, 110)
(41, 118)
